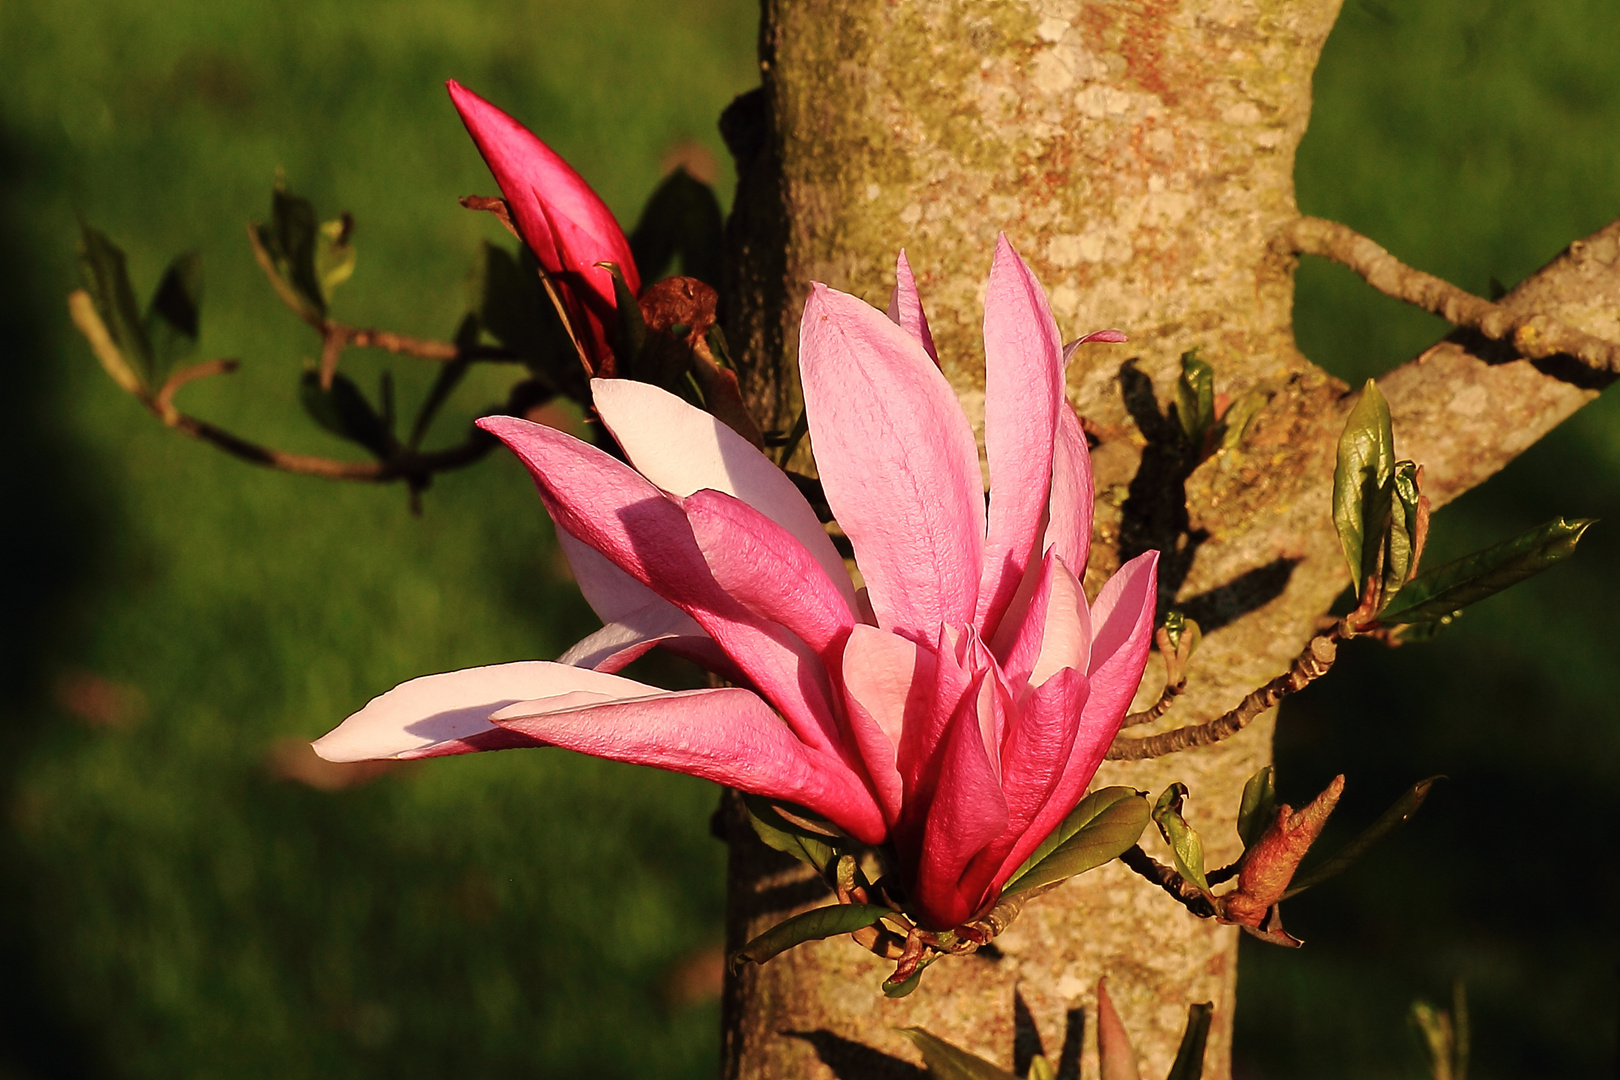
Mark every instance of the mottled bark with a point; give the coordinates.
(1139, 154)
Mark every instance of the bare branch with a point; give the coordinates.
(1166, 699)
(1535, 335)
(1307, 667)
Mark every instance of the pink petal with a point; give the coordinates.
(449, 713)
(1122, 621)
(1068, 528)
(897, 461)
(765, 568)
(905, 307)
(888, 684)
(610, 507)
(1055, 628)
(726, 735)
(967, 811)
(683, 449)
(1040, 743)
(618, 643)
(1114, 337)
(531, 174)
(1023, 386)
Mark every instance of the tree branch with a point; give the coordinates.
(1534, 335)
(1307, 667)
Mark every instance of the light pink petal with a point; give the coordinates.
(897, 461)
(1054, 631)
(1023, 386)
(1124, 606)
(967, 812)
(905, 307)
(1068, 525)
(530, 174)
(888, 683)
(613, 509)
(449, 713)
(612, 593)
(618, 643)
(765, 568)
(1114, 337)
(683, 449)
(1039, 746)
(726, 735)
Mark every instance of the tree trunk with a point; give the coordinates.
(1139, 154)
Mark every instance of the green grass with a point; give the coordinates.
(176, 909)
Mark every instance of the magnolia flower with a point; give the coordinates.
(565, 223)
(955, 708)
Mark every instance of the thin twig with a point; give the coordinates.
(1308, 666)
(1171, 692)
(1180, 890)
(1536, 336)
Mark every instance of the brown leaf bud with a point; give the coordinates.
(1270, 864)
(1116, 1058)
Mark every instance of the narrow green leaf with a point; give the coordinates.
(1195, 398)
(630, 336)
(778, 832)
(1185, 846)
(106, 278)
(1239, 415)
(345, 412)
(948, 1062)
(82, 309)
(681, 220)
(334, 255)
(1259, 806)
(1101, 828)
(450, 376)
(812, 925)
(173, 318)
(1041, 1068)
(1189, 1063)
(1366, 460)
(1444, 591)
(1390, 820)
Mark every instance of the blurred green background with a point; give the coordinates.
(186, 897)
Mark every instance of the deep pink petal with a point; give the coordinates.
(1113, 337)
(1040, 742)
(1124, 633)
(530, 173)
(449, 713)
(1068, 525)
(966, 813)
(1023, 386)
(905, 307)
(616, 511)
(765, 568)
(888, 684)
(897, 461)
(683, 449)
(726, 735)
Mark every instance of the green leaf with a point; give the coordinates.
(947, 1062)
(1239, 415)
(345, 412)
(1101, 828)
(1195, 398)
(1390, 820)
(1366, 460)
(1258, 808)
(1401, 539)
(1185, 846)
(681, 219)
(334, 255)
(173, 318)
(1444, 591)
(1189, 1063)
(812, 925)
(101, 265)
(1041, 1068)
(778, 832)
